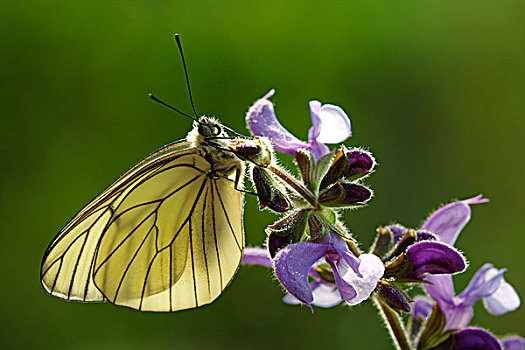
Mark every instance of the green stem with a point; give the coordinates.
(293, 183)
(395, 326)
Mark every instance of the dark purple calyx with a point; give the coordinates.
(344, 194)
(394, 297)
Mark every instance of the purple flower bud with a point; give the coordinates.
(345, 194)
(423, 235)
(277, 242)
(360, 163)
(271, 195)
(433, 258)
(286, 230)
(397, 231)
(382, 243)
(337, 168)
(475, 339)
(393, 297)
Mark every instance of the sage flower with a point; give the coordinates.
(330, 124)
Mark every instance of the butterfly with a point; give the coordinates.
(167, 235)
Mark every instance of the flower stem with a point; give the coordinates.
(293, 183)
(395, 326)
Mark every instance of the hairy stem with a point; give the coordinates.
(293, 183)
(395, 326)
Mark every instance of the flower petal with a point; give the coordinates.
(430, 257)
(325, 296)
(335, 124)
(513, 342)
(484, 283)
(448, 221)
(504, 299)
(364, 279)
(457, 317)
(346, 290)
(318, 149)
(422, 307)
(262, 121)
(256, 256)
(315, 108)
(292, 265)
(441, 289)
(475, 338)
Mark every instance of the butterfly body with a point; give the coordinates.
(166, 236)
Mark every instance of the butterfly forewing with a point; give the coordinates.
(167, 235)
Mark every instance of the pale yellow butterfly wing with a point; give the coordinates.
(146, 241)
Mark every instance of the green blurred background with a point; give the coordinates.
(435, 90)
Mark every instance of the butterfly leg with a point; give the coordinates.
(238, 180)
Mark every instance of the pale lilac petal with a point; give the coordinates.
(291, 300)
(335, 125)
(292, 265)
(256, 256)
(457, 317)
(262, 121)
(422, 307)
(318, 149)
(325, 296)
(513, 342)
(484, 283)
(503, 300)
(313, 133)
(441, 288)
(448, 221)
(475, 339)
(365, 279)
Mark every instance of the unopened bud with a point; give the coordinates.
(270, 192)
(345, 194)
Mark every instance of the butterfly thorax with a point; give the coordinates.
(210, 139)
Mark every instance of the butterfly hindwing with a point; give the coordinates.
(167, 235)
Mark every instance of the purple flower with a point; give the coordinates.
(256, 256)
(513, 342)
(475, 339)
(422, 307)
(330, 124)
(355, 277)
(488, 283)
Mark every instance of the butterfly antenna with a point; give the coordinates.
(177, 39)
(234, 132)
(172, 108)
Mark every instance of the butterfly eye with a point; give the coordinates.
(205, 130)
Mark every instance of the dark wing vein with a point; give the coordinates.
(203, 229)
(131, 262)
(228, 219)
(215, 232)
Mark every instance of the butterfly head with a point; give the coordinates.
(209, 127)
